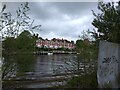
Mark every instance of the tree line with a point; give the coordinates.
(24, 42)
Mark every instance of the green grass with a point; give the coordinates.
(83, 81)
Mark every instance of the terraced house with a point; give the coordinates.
(55, 43)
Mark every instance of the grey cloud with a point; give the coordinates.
(44, 11)
(73, 8)
(67, 29)
(62, 20)
(58, 10)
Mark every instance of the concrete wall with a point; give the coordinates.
(108, 65)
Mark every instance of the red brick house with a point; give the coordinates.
(55, 43)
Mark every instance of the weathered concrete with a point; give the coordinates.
(108, 65)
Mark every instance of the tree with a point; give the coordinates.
(12, 26)
(12, 29)
(107, 22)
(25, 41)
(9, 44)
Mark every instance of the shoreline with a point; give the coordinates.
(37, 52)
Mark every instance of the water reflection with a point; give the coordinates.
(46, 64)
(38, 69)
(17, 65)
(25, 63)
(37, 66)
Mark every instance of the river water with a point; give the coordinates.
(38, 67)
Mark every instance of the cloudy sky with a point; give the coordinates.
(60, 19)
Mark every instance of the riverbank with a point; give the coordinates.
(65, 81)
(45, 82)
(53, 52)
(39, 52)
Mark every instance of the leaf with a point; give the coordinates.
(4, 7)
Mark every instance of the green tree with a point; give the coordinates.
(107, 22)
(9, 44)
(25, 41)
(86, 59)
(84, 66)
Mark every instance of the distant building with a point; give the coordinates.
(55, 43)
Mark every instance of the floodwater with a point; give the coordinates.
(33, 71)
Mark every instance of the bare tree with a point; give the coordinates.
(11, 26)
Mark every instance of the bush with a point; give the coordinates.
(83, 81)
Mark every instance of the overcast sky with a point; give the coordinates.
(60, 19)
